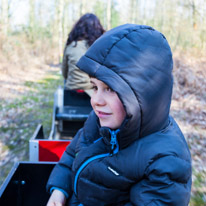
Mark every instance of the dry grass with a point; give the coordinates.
(23, 61)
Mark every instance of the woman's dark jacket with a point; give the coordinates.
(150, 163)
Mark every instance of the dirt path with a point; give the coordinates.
(23, 106)
(13, 81)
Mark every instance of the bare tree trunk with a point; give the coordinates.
(82, 7)
(31, 12)
(133, 11)
(67, 20)
(144, 13)
(163, 16)
(109, 8)
(4, 16)
(194, 16)
(60, 28)
(32, 19)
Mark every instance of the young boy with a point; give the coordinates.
(130, 151)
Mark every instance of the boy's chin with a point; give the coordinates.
(109, 126)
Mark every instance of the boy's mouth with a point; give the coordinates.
(101, 114)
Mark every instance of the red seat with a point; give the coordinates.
(51, 150)
(47, 150)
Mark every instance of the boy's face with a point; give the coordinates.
(107, 105)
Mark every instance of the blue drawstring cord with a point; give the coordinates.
(113, 141)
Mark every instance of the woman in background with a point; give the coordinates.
(85, 31)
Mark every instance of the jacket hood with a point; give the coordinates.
(136, 62)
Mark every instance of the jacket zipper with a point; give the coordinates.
(113, 143)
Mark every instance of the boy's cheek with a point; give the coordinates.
(92, 103)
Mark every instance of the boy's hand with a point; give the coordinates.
(57, 198)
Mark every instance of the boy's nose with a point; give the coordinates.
(98, 98)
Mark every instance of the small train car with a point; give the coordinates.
(26, 183)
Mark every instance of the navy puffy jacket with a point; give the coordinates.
(151, 163)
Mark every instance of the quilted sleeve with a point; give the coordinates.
(167, 181)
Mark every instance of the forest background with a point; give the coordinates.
(32, 38)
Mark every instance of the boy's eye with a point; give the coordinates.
(94, 88)
(109, 89)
